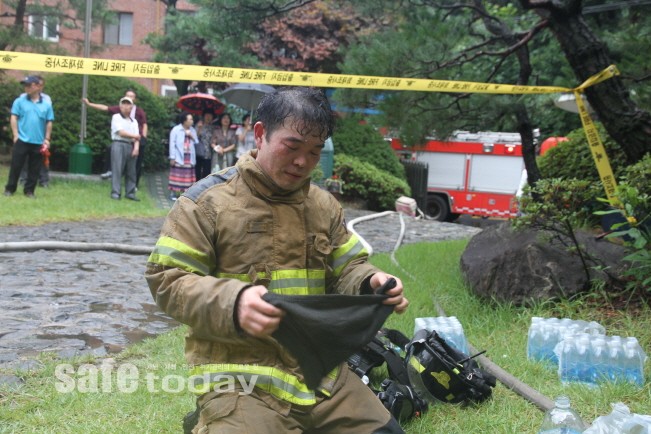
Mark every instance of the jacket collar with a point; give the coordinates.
(261, 184)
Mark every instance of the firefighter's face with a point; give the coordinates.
(287, 157)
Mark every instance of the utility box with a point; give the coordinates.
(327, 158)
(81, 159)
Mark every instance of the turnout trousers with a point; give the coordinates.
(353, 409)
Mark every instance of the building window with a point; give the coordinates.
(120, 32)
(167, 90)
(43, 27)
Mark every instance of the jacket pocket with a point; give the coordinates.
(217, 408)
(319, 248)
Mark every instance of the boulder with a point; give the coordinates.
(524, 266)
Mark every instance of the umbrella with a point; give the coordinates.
(246, 95)
(196, 103)
(567, 102)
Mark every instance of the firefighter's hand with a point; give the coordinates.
(255, 316)
(396, 296)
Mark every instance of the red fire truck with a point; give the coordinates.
(470, 173)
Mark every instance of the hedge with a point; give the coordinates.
(364, 142)
(10, 90)
(573, 159)
(364, 181)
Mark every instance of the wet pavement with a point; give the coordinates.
(73, 303)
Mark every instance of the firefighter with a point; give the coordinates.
(261, 226)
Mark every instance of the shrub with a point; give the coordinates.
(638, 176)
(633, 208)
(364, 142)
(573, 159)
(316, 175)
(363, 180)
(10, 90)
(65, 91)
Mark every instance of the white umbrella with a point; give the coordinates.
(246, 95)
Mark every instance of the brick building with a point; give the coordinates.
(120, 40)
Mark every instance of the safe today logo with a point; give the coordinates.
(128, 378)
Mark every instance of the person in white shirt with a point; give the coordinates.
(124, 151)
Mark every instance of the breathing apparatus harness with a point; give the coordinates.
(430, 371)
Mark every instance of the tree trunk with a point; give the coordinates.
(18, 26)
(182, 86)
(528, 145)
(626, 123)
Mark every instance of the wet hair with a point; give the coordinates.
(303, 108)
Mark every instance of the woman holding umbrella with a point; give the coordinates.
(205, 130)
(245, 137)
(224, 141)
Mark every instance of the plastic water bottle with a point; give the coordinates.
(561, 419)
(566, 360)
(582, 368)
(616, 358)
(633, 362)
(534, 338)
(599, 360)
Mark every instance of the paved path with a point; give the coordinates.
(157, 185)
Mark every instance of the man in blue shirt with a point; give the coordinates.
(44, 173)
(31, 125)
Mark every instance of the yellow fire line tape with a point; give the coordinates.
(597, 149)
(123, 68)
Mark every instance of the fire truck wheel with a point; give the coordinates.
(437, 208)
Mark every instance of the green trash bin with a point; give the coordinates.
(81, 159)
(327, 158)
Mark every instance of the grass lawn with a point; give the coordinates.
(431, 275)
(70, 200)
